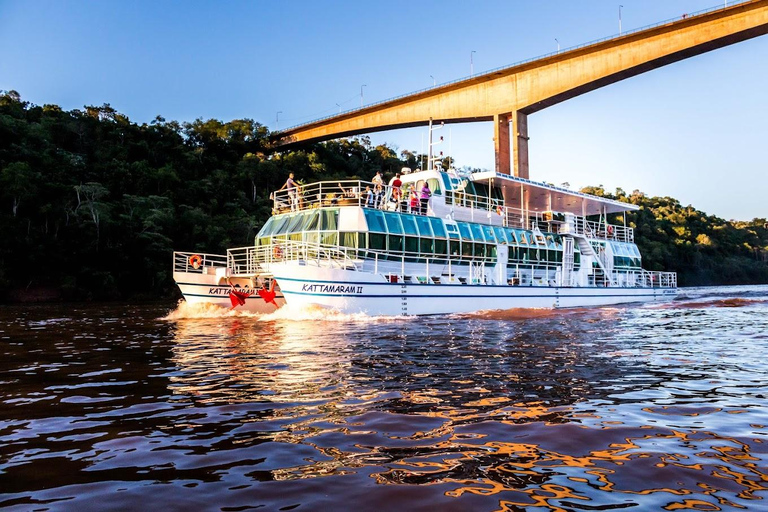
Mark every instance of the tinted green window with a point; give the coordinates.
(480, 250)
(441, 247)
(490, 251)
(312, 237)
(466, 249)
(464, 230)
(437, 226)
(375, 220)
(411, 244)
(377, 242)
(522, 237)
(511, 236)
(426, 245)
(395, 243)
(393, 223)
(409, 225)
(501, 235)
(279, 225)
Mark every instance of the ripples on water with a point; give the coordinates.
(645, 407)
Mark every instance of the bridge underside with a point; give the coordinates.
(507, 96)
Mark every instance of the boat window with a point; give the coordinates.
(348, 239)
(464, 230)
(266, 228)
(501, 235)
(312, 237)
(393, 223)
(550, 242)
(438, 228)
(312, 221)
(377, 242)
(539, 239)
(446, 181)
(427, 246)
(424, 228)
(294, 224)
(409, 225)
(453, 230)
(511, 236)
(328, 220)
(434, 187)
(489, 234)
(330, 238)
(395, 243)
(455, 248)
(441, 247)
(280, 223)
(411, 244)
(466, 248)
(477, 232)
(375, 220)
(522, 237)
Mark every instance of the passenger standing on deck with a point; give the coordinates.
(378, 189)
(425, 195)
(414, 203)
(293, 191)
(397, 191)
(370, 198)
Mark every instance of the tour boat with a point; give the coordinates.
(484, 241)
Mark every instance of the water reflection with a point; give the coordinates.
(651, 407)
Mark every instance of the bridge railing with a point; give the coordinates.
(520, 63)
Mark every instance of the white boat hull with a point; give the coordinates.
(210, 289)
(350, 291)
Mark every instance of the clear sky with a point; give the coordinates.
(696, 130)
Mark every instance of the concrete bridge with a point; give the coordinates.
(509, 95)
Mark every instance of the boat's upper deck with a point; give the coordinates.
(483, 197)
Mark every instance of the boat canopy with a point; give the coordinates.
(540, 197)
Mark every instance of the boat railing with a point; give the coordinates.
(596, 230)
(248, 261)
(198, 262)
(329, 193)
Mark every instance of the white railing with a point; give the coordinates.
(596, 230)
(185, 262)
(245, 261)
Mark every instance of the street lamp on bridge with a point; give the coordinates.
(361, 93)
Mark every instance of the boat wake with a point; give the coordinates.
(288, 313)
(733, 302)
(529, 314)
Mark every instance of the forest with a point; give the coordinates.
(92, 205)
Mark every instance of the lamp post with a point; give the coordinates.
(434, 82)
(339, 108)
(620, 18)
(558, 45)
(361, 93)
(472, 63)
(277, 120)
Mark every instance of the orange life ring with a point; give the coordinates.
(195, 260)
(499, 210)
(277, 252)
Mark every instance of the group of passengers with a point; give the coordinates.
(416, 202)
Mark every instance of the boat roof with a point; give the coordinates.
(544, 197)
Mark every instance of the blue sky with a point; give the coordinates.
(696, 130)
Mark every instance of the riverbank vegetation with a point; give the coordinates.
(92, 205)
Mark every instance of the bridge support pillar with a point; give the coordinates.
(521, 144)
(501, 143)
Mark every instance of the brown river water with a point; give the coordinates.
(135, 407)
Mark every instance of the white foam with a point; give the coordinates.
(288, 313)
